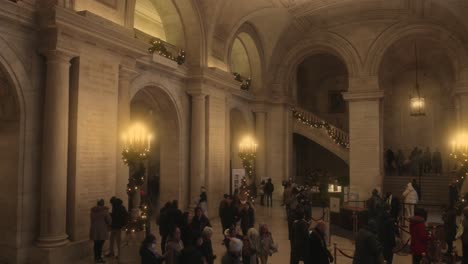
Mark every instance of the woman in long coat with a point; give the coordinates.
(100, 223)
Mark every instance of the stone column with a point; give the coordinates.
(365, 157)
(53, 209)
(260, 121)
(197, 143)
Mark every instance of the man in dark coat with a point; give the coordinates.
(269, 188)
(318, 251)
(300, 239)
(368, 248)
(453, 194)
(163, 222)
(223, 207)
(387, 236)
(450, 227)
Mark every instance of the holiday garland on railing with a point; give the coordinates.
(245, 82)
(331, 131)
(160, 47)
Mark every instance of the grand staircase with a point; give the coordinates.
(321, 132)
(434, 188)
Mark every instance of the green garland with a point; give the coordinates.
(159, 47)
(245, 82)
(248, 162)
(339, 140)
(134, 160)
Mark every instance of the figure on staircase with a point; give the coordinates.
(437, 162)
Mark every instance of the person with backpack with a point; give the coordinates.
(268, 190)
(119, 217)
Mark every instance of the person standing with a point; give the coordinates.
(450, 227)
(119, 220)
(437, 161)
(269, 188)
(222, 212)
(368, 247)
(318, 251)
(394, 205)
(100, 223)
(267, 244)
(400, 162)
(419, 237)
(299, 240)
(234, 254)
(414, 162)
(174, 246)
(387, 236)
(199, 221)
(417, 188)
(427, 161)
(203, 203)
(163, 222)
(261, 191)
(410, 198)
(453, 194)
(148, 252)
(207, 246)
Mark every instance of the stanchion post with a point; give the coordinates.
(334, 253)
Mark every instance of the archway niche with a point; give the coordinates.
(9, 162)
(321, 79)
(397, 76)
(311, 161)
(154, 108)
(148, 20)
(239, 128)
(244, 58)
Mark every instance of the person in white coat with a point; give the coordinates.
(410, 198)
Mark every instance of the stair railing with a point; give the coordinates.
(307, 118)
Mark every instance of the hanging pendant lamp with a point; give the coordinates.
(417, 102)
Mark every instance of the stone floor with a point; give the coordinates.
(275, 218)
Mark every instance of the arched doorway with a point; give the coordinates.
(9, 166)
(155, 108)
(403, 132)
(321, 80)
(238, 129)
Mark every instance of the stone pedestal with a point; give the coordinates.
(366, 142)
(53, 209)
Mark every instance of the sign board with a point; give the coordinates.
(334, 204)
(237, 175)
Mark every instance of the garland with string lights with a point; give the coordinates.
(245, 82)
(339, 140)
(248, 162)
(461, 158)
(134, 160)
(245, 191)
(160, 47)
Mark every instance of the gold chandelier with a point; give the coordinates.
(417, 102)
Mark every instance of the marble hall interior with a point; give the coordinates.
(149, 131)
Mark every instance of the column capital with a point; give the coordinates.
(363, 95)
(360, 83)
(126, 72)
(198, 93)
(58, 56)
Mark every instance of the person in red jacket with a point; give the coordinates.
(419, 236)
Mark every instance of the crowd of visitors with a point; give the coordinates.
(186, 237)
(419, 161)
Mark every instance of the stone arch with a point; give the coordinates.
(173, 167)
(240, 121)
(250, 39)
(326, 42)
(454, 47)
(19, 83)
